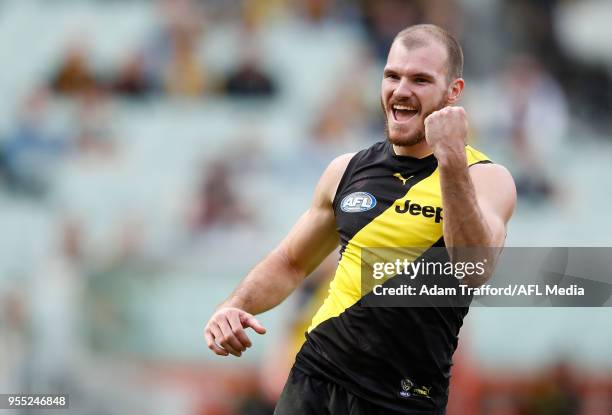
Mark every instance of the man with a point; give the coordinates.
(423, 187)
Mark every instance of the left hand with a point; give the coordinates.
(446, 131)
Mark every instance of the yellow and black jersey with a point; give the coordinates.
(396, 357)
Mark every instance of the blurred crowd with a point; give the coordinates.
(529, 71)
(122, 210)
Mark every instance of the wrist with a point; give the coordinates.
(451, 158)
(229, 303)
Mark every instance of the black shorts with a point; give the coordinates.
(309, 395)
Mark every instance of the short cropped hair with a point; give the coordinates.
(421, 34)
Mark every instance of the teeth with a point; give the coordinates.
(403, 108)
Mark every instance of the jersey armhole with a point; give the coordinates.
(343, 179)
(481, 162)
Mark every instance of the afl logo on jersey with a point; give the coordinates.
(358, 202)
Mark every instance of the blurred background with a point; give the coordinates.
(151, 152)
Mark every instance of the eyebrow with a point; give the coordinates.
(388, 71)
(425, 75)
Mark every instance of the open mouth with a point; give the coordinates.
(403, 113)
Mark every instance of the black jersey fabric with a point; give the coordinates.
(396, 358)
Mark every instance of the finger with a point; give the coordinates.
(221, 340)
(238, 330)
(249, 321)
(230, 342)
(212, 345)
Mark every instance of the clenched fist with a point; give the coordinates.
(225, 331)
(446, 131)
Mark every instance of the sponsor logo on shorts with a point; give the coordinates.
(410, 390)
(358, 202)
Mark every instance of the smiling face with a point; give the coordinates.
(415, 84)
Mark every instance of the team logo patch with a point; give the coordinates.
(407, 386)
(358, 202)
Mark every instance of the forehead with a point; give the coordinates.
(429, 58)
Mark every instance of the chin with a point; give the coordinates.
(405, 140)
(404, 134)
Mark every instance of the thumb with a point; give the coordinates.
(249, 321)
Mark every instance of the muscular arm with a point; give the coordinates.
(310, 240)
(478, 201)
(308, 243)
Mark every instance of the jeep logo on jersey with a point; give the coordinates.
(358, 202)
(415, 209)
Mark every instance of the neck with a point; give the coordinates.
(418, 150)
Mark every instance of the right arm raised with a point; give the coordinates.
(308, 243)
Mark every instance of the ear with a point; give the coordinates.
(454, 90)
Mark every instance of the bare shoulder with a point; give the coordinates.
(492, 173)
(326, 189)
(338, 165)
(494, 183)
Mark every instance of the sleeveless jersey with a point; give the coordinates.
(396, 357)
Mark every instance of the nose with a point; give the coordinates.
(403, 90)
